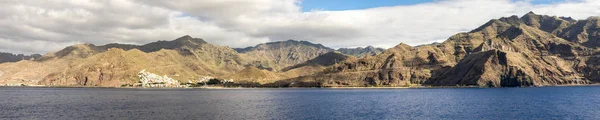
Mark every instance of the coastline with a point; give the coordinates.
(220, 87)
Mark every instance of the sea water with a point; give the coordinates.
(308, 103)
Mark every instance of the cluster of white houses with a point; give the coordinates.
(152, 80)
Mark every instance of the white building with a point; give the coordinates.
(148, 79)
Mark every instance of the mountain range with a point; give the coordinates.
(531, 50)
(184, 59)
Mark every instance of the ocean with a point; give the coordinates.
(301, 103)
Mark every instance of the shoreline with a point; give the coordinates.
(220, 87)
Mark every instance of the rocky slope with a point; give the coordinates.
(183, 59)
(532, 50)
(275, 56)
(360, 52)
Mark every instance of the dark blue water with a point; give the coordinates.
(456, 103)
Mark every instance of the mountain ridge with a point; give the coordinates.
(531, 50)
(539, 56)
(185, 58)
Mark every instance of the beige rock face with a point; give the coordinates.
(183, 59)
(533, 50)
(495, 68)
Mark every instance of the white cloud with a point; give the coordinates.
(31, 26)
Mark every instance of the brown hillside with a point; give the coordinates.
(528, 51)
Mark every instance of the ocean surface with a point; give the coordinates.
(309, 103)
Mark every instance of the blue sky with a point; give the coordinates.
(309, 5)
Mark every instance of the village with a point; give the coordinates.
(151, 80)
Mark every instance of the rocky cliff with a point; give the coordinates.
(532, 50)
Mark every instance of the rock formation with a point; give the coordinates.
(532, 50)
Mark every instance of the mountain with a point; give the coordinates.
(360, 52)
(275, 56)
(87, 50)
(532, 50)
(9, 57)
(183, 59)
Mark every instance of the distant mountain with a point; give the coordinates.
(87, 50)
(9, 57)
(275, 56)
(324, 60)
(532, 50)
(360, 52)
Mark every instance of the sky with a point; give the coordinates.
(336, 5)
(34, 26)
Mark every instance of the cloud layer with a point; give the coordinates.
(32, 26)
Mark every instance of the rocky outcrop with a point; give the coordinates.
(497, 68)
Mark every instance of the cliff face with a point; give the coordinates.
(533, 50)
(496, 68)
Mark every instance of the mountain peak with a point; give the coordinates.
(291, 42)
(185, 37)
(530, 13)
(530, 16)
(403, 45)
(281, 44)
(189, 40)
(296, 41)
